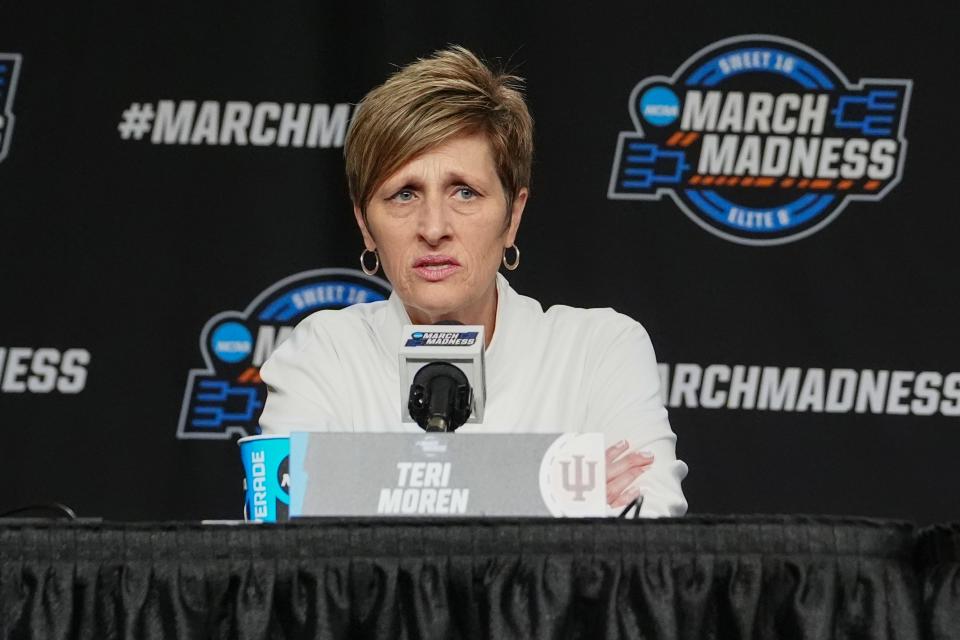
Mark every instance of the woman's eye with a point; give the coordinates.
(466, 193)
(404, 195)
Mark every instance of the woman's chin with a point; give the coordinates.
(435, 304)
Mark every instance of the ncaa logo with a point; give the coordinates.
(9, 69)
(761, 140)
(226, 397)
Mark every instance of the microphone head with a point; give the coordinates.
(453, 344)
(440, 397)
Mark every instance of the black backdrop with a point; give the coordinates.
(116, 252)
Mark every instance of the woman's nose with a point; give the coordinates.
(434, 222)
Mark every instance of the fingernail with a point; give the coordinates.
(646, 454)
(621, 444)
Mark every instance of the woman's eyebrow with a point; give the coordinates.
(456, 177)
(403, 182)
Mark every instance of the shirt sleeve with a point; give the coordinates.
(305, 383)
(625, 404)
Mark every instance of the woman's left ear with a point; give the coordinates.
(519, 202)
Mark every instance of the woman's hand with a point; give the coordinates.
(622, 471)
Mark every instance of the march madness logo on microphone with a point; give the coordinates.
(761, 140)
(442, 339)
(9, 68)
(227, 396)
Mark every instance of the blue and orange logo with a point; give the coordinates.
(761, 140)
(226, 397)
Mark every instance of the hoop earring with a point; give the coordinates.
(363, 262)
(511, 266)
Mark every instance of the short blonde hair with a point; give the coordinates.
(429, 102)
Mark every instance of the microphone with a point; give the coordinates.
(442, 367)
(440, 397)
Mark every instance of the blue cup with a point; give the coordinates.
(266, 463)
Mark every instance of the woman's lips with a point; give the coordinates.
(435, 268)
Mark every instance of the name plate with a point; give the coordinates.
(441, 474)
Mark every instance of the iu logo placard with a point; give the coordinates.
(578, 477)
(762, 140)
(9, 69)
(573, 476)
(226, 397)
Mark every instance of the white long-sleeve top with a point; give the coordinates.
(561, 370)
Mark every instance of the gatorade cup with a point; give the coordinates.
(266, 463)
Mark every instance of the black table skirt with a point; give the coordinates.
(938, 559)
(756, 577)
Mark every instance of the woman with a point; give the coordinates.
(438, 164)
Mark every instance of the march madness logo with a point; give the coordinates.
(227, 396)
(442, 339)
(761, 140)
(9, 67)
